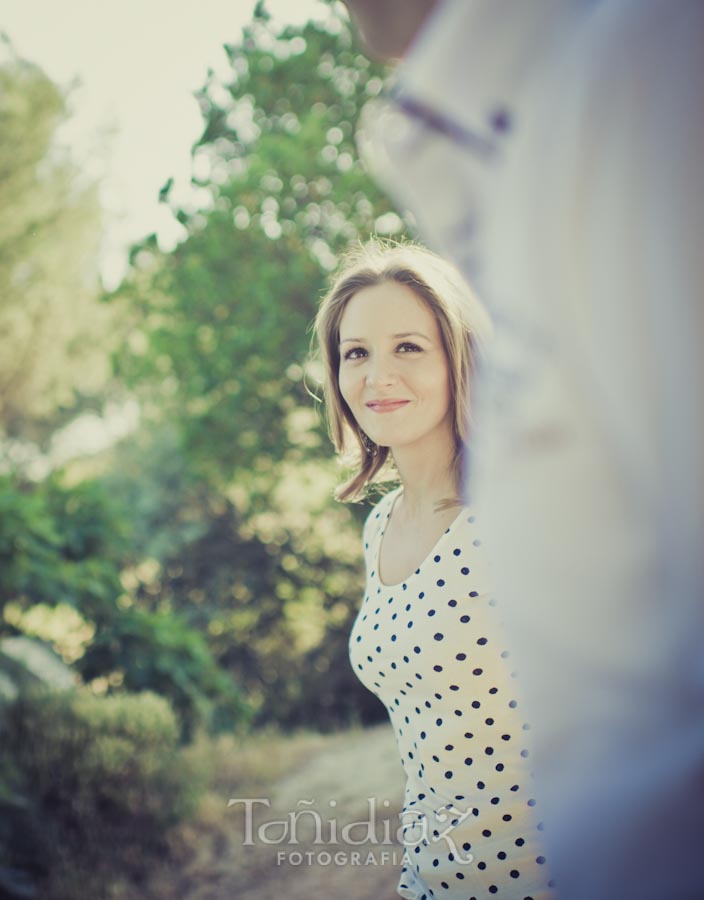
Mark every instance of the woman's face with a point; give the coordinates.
(393, 371)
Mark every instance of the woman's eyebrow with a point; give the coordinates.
(402, 334)
(405, 334)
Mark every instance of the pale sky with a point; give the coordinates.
(138, 63)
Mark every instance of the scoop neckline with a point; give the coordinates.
(382, 531)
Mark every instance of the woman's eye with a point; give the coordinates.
(355, 353)
(407, 347)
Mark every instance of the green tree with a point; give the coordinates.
(218, 352)
(221, 325)
(60, 545)
(52, 326)
(70, 544)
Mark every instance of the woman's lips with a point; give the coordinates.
(385, 406)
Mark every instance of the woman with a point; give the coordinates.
(398, 333)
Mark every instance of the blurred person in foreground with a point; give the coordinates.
(554, 150)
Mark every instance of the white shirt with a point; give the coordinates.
(555, 150)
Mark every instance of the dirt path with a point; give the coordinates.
(357, 777)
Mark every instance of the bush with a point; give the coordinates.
(160, 652)
(60, 544)
(95, 782)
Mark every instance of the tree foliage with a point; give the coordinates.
(69, 544)
(205, 554)
(50, 230)
(209, 552)
(221, 325)
(60, 545)
(271, 571)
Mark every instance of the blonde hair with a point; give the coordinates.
(463, 323)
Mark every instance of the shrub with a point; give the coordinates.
(160, 652)
(100, 781)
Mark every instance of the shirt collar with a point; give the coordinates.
(474, 58)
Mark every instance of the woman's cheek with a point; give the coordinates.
(345, 387)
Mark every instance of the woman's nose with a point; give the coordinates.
(380, 371)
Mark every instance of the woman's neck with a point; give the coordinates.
(427, 477)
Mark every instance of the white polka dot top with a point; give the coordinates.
(432, 649)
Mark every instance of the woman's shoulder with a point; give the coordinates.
(467, 524)
(468, 552)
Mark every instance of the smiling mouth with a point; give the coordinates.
(385, 406)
